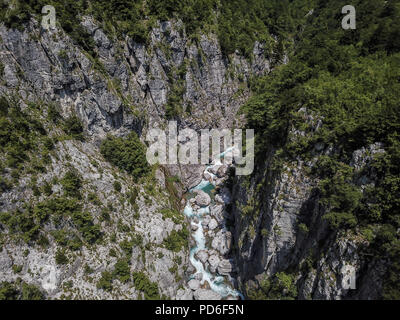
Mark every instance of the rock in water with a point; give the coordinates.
(202, 255)
(222, 170)
(214, 262)
(213, 224)
(225, 267)
(202, 199)
(222, 242)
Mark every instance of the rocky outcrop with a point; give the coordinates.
(286, 230)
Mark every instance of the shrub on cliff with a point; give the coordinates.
(127, 153)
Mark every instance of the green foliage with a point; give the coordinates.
(31, 292)
(143, 283)
(122, 270)
(303, 228)
(61, 258)
(8, 291)
(73, 127)
(19, 133)
(105, 281)
(126, 153)
(117, 186)
(172, 214)
(174, 109)
(281, 286)
(20, 291)
(72, 184)
(28, 222)
(177, 240)
(126, 247)
(84, 223)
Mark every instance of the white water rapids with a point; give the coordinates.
(217, 283)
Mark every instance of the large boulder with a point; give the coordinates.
(225, 267)
(202, 199)
(194, 284)
(213, 260)
(222, 242)
(204, 294)
(213, 224)
(202, 255)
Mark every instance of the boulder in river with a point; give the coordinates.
(214, 169)
(216, 211)
(214, 262)
(202, 199)
(222, 242)
(225, 267)
(202, 255)
(198, 276)
(206, 221)
(213, 224)
(207, 176)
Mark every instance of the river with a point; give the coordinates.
(217, 282)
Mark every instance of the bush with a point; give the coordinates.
(61, 258)
(143, 283)
(177, 240)
(72, 183)
(31, 292)
(8, 291)
(126, 153)
(84, 222)
(20, 133)
(73, 127)
(117, 186)
(122, 270)
(105, 281)
(281, 286)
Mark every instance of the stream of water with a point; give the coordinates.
(217, 283)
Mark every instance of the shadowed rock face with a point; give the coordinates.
(271, 240)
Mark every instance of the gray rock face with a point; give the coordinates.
(182, 294)
(289, 200)
(194, 284)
